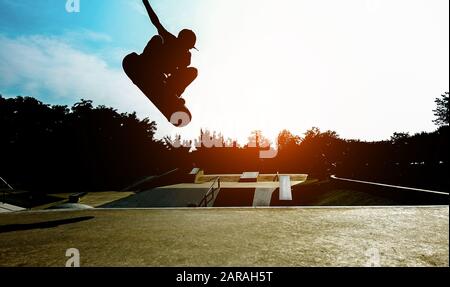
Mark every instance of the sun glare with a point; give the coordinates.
(297, 64)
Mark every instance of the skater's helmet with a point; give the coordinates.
(187, 38)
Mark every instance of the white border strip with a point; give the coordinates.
(388, 185)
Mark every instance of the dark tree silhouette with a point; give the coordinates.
(442, 110)
(286, 140)
(56, 148)
(87, 148)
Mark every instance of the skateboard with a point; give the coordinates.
(154, 88)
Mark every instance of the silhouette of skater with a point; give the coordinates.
(162, 71)
(174, 53)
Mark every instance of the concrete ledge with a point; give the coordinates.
(249, 177)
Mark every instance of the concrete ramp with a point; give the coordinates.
(263, 196)
(5, 207)
(161, 197)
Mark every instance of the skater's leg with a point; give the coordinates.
(188, 75)
(179, 81)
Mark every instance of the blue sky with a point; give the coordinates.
(95, 42)
(119, 23)
(364, 68)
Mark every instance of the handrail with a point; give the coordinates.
(209, 196)
(388, 185)
(4, 190)
(277, 177)
(7, 184)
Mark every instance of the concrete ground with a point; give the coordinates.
(357, 236)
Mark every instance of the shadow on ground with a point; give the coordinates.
(42, 225)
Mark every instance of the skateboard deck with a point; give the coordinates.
(170, 105)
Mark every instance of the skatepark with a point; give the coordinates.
(182, 189)
(214, 190)
(247, 219)
(224, 134)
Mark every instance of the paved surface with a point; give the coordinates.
(398, 236)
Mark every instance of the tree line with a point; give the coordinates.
(54, 148)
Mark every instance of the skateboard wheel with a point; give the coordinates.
(180, 119)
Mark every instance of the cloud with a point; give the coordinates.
(84, 35)
(55, 72)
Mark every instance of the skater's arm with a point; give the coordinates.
(155, 20)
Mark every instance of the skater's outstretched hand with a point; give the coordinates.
(166, 35)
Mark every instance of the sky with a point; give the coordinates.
(363, 68)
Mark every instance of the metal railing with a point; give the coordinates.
(7, 184)
(389, 185)
(10, 188)
(209, 196)
(277, 177)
